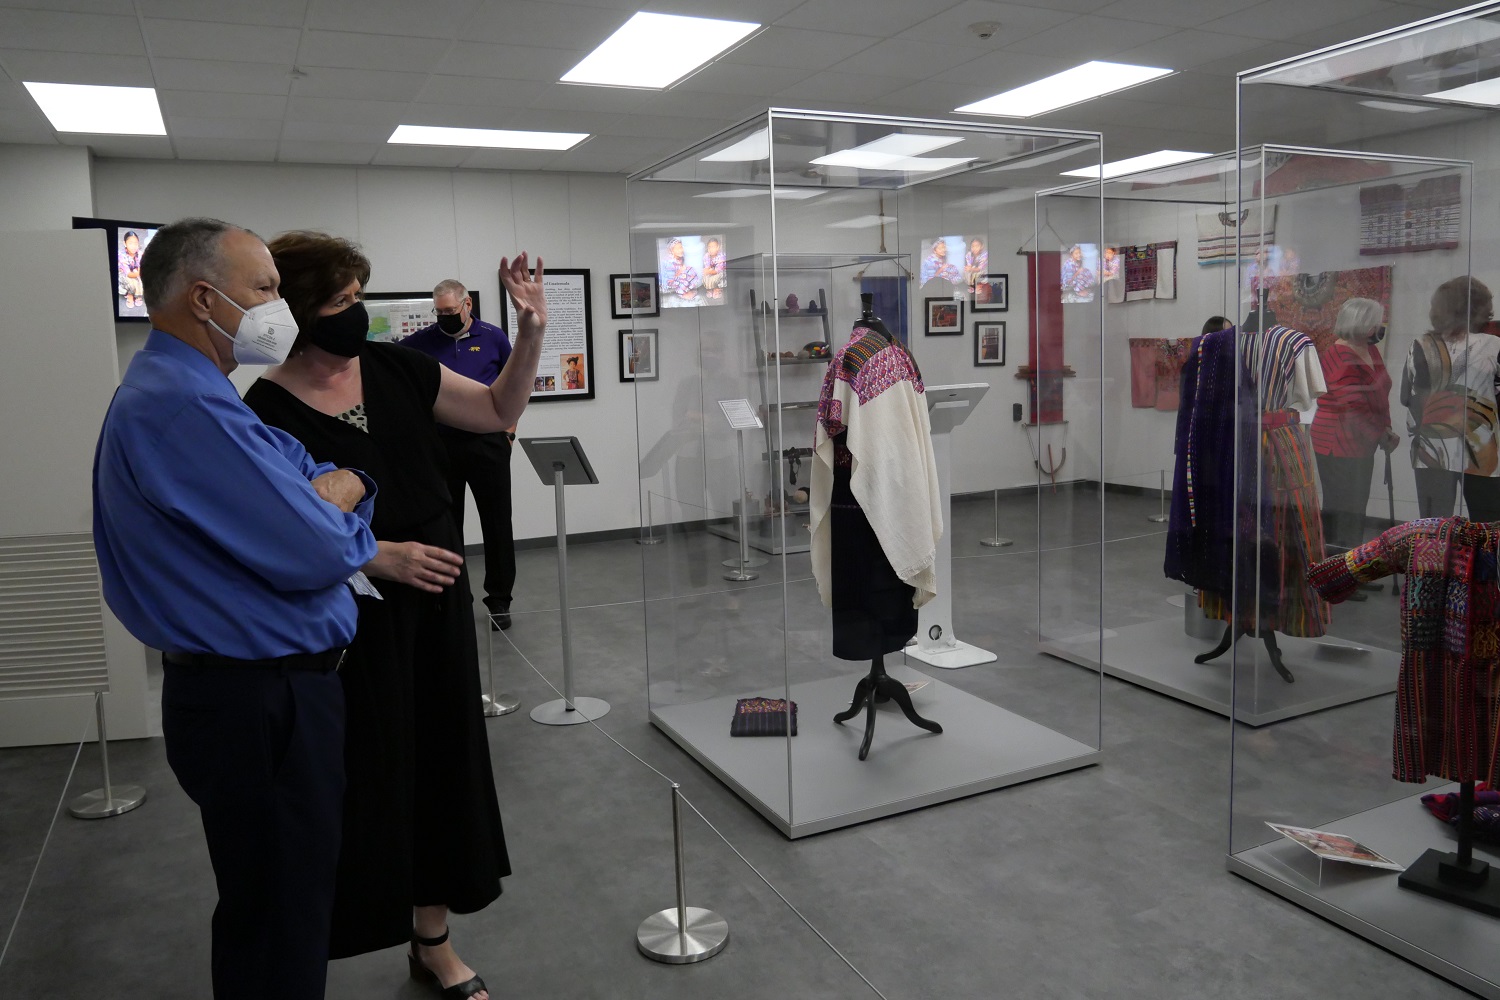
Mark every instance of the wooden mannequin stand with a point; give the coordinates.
(1232, 635)
(879, 686)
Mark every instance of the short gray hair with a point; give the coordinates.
(185, 251)
(449, 286)
(1358, 317)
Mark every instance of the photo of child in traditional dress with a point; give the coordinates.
(976, 260)
(1080, 273)
(692, 270)
(132, 243)
(940, 271)
(572, 372)
(714, 263)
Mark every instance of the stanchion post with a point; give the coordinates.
(108, 801)
(995, 541)
(1162, 485)
(495, 704)
(648, 533)
(682, 934)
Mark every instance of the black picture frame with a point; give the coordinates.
(998, 299)
(570, 305)
(942, 303)
(617, 284)
(629, 339)
(989, 344)
(114, 232)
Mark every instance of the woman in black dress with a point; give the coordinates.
(422, 834)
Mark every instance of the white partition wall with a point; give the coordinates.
(58, 371)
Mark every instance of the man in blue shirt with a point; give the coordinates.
(478, 350)
(221, 543)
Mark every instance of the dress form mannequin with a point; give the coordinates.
(873, 610)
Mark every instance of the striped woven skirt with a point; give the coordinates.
(1290, 539)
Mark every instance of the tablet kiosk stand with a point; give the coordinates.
(948, 406)
(561, 462)
(741, 418)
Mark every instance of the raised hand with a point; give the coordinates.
(526, 292)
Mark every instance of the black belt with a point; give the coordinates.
(323, 662)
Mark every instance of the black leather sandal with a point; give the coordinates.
(422, 974)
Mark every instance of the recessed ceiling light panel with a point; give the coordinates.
(1071, 86)
(76, 107)
(654, 51)
(490, 138)
(1135, 164)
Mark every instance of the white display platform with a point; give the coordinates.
(1159, 656)
(982, 747)
(948, 406)
(1458, 944)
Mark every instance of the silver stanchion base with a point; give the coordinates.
(648, 540)
(750, 563)
(741, 575)
(500, 704)
(1158, 518)
(997, 542)
(555, 713)
(705, 936)
(94, 805)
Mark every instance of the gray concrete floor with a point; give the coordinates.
(1105, 882)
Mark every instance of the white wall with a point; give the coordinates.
(419, 226)
(43, 187)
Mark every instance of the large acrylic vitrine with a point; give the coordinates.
(1377, 180)
(761, 241)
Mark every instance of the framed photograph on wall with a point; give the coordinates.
(634, 295)
(989, 344)
(566, 370)
(945, 317)
(991, 293)
(395, 316)
(638, 360)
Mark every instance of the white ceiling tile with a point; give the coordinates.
(1192, 49)
(1085, 38)
(463, 90)
(671, 127)
(15, 96)
(206, 40)
(77, 67)
(1287, 20)
(206, 104)
(333, 109)
(509, 159)
(325, 152)
(460, 115)
(550, 25)
(512, 62)
(356, 50)
(357, 132)
(228, 77)
(592, 122)
(428, 19)
(994, 73)
(880, 17)
(732, 107)
(122, 7)
(226, 149)
(570, 97)
(748, 81)
(22, 125)
(187, 127)
(134, 146)
(1269, 53)
(842, 88)
(1178, 13)
(1392, 16)
(795, 48)
(277, 13)
(759, 11)
(59, 31)
(421, 156)
(358, 84)
(1193, 89)
(902, 58)
(1017, 22)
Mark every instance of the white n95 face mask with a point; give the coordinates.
(265, 333)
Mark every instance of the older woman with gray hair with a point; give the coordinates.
(1353, 419)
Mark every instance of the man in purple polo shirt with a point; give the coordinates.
(474, 348)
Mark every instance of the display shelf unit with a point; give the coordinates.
(791, 223)
(1379, 165)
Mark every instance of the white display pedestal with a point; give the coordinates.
(947, 407)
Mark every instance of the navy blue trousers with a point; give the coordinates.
(261, 752)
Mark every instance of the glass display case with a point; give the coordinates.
(763, 243)
(1369, 403)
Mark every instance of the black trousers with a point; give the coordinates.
(261, 752)
(482, 461)
(1346, 495)
(1438, 488)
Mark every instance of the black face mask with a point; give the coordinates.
(342, 333)
(450, 323)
